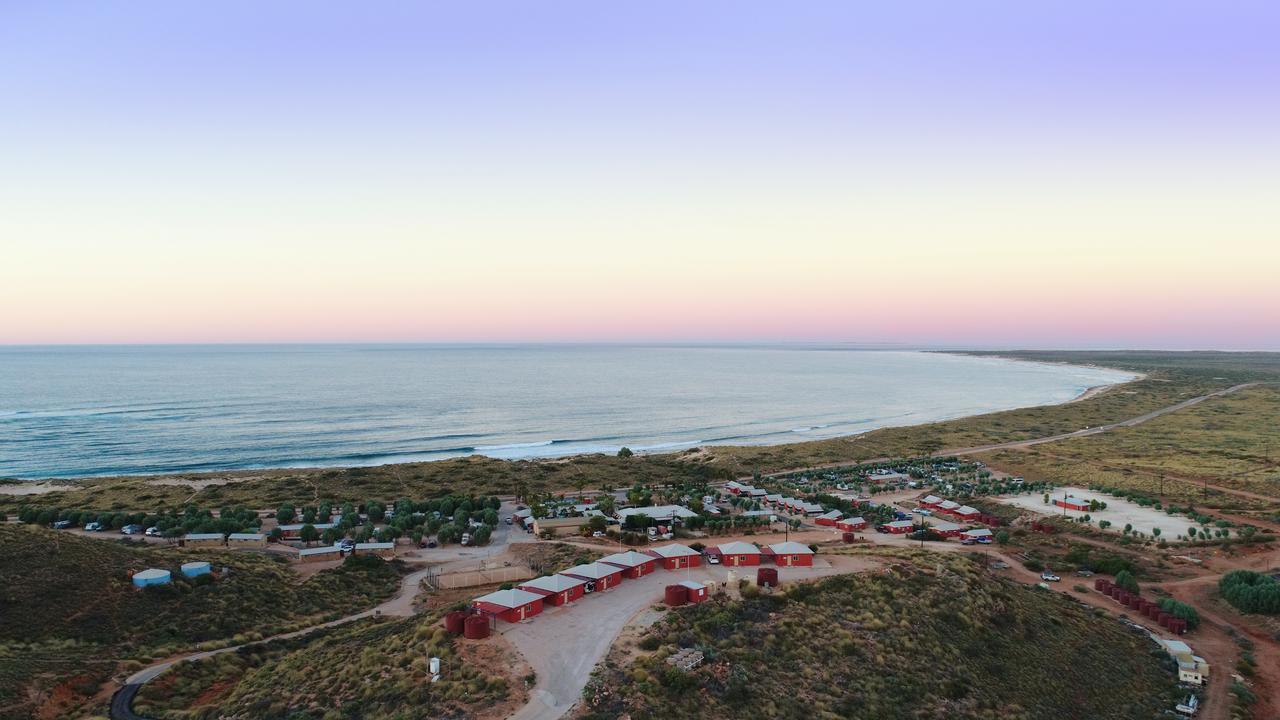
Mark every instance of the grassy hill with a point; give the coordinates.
(934, 638)
(71, 614)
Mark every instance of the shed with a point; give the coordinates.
(947, 506)
(556, 589)
(512, 605)
(192, 569)
(294, 531)
(945, 528)
(736, 554)
(790, 554)
(1071, 502)
(982, 535)
(385, 550)
(660, 513)
(194, 540)
(634, 564)
(897, 527)
(602, 577)
(675, 556)
(320, 554)
(930, 501)
(697, 590)
(246, 540)
(152, 576)
(560, 527)
(964, 512)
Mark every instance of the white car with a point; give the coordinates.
(152, 531)
(713, 559)
(1049, 576)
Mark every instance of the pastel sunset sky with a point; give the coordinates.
(1045, 174)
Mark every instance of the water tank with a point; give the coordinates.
(848, 537)
(767, 577)
(1164, 619)
(1101, 584)
(476, 627)
(676, 595)
(453, 622)
(434, 666)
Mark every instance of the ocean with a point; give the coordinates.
(93, 411)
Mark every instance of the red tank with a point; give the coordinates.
(454, 621)
(476, 627)
(676, 595)
(767, 577)
(848, 537)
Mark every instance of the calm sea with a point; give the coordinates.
(120, 410)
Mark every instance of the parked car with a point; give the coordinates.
(347, 544)
(94, 527)
(152, 531)
(713, 559)
(1049, 576)
(598, 533)
(509, 520)
(131, 529)
(62, 525)
(466, 538)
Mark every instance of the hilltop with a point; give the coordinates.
(931, 637)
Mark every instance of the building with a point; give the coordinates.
(773, 499)
(945, 528)
(966, 513)
(829, 518)
(512, 605)
(930, 501)
(320, 554)
(757, 493)
(560, 527)
(697, 591)
(851, 524)
(603, 577)
(1071, 502)
(734, 487)
(897, 527)
(194, 569)
(249, 540)
(809, 508)
(634, 565)
(556, 589)
(981, 535)
(891, 476)
(384, 550)
(152, 576)
(790, 554)
(675, 556)
(665, 514)
(947, 506)
(199, 540)
(524, 517)
(1191, 667)
(737, 554)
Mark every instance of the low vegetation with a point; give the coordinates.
(937, 639)
(66, 597)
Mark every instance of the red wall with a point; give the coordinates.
(512, 615)
(680, 563)
(796, 560)
(740, 560)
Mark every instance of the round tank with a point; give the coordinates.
(767, 577)
(476, 627)
(454, 621)
(1100, 585)
(1164, 619)
(848, 537)
(676, 595)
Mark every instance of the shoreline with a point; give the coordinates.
(197, 479)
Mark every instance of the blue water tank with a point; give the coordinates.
(192, 569)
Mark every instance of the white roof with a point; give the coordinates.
(375, 546)
(554, 583)
(674, 550)
(757, 513)
(658, 512)
(852, 521)
(931, 499)
(738, 548)
(299, 526)
(966, 510)
(948, 505)
(977, 532)
(1177, 647)
(773, 498)
(151, 574)
(319, 551)
(831, 515)
(246, 536)
(513, 598)
(811, 507)
(759, 491)
(734, 485)
(693, 585)
(594, 571)
(194, 565)
(630, 558)
(899, 523)
(790, 548)
(943, 525)
(1075, 499)
(203, 536)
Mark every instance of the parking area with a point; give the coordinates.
(1119, 511)
(563, 644)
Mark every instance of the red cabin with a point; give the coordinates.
(556, 589)
(829, 518)
(697, 591)
(897, 527)
(601, 577)
(510, 605)
(634, 565)
(790, 554)
(675, 556)
(738, 554)
(851, 524)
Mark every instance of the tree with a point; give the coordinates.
(1125, 579)
(1155, 532)
(625, 452)
(285, 514)
(375, 509)
(1002, 537)
(309, 534)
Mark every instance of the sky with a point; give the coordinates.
(980, 174)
